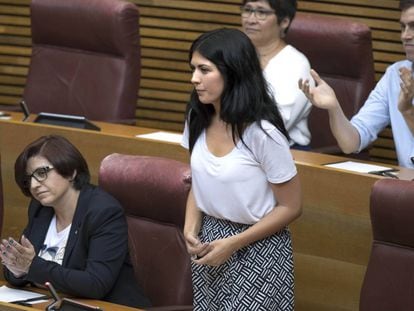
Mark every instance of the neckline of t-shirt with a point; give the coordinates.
(61, 232)
(205, 146)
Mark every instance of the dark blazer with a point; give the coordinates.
(96, 262)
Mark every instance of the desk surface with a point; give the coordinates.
(106, 306)
(331, 240)
(4, 306)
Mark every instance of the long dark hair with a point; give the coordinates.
(245, 98)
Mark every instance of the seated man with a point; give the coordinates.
(391, 102)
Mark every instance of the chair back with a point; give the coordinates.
(389, 278)
(85, 59)
(340, 50)
(153, 192)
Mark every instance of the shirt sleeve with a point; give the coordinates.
(374, 115)
(185, 138)
(272, 151)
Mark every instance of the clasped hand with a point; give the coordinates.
(17, 257)
(407, 91)
(213, 254)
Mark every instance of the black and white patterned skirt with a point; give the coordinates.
(256, 277)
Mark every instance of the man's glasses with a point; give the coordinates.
(40, 174)
(260, 14)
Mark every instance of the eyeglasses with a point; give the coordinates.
(40, 174)
(260, 14)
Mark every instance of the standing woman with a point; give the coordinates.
(266, 23)
(76, 237)
(245, 189)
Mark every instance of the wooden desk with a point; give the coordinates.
(331, 240)
(106, 306)
(4, 306)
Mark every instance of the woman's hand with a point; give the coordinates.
(322, 95)
(195, 248)
(17, 257)
(218, 253)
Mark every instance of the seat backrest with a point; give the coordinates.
(340, 50)
(389, 278)
(85, 59)
(153, 192)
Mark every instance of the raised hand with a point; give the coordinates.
(405, 99)
(17, 257)
(406, 96)
(322, 95)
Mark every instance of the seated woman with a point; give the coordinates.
(266, 23)
(76, 237)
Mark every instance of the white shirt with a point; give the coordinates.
(282, 73)
(236, 186)
(54, 246)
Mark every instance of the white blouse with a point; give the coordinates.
(237, 186)
(54, 246)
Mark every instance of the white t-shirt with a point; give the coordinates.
(236, 186)
(54, 246)
(282, 73)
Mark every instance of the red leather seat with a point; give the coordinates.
(85, 59)
(389, 278)
(340, 50)
(153, 192)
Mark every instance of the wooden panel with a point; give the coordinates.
(9, 101)
(12, 80)
(167, 30)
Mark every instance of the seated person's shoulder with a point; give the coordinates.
(397, 65)
(255, 134)
(101, 200)
(296, 56)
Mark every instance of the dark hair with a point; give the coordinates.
(283, 9)
(245, 98)
(406, 4)
(61, 153)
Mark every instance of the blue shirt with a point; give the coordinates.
(380, 110)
